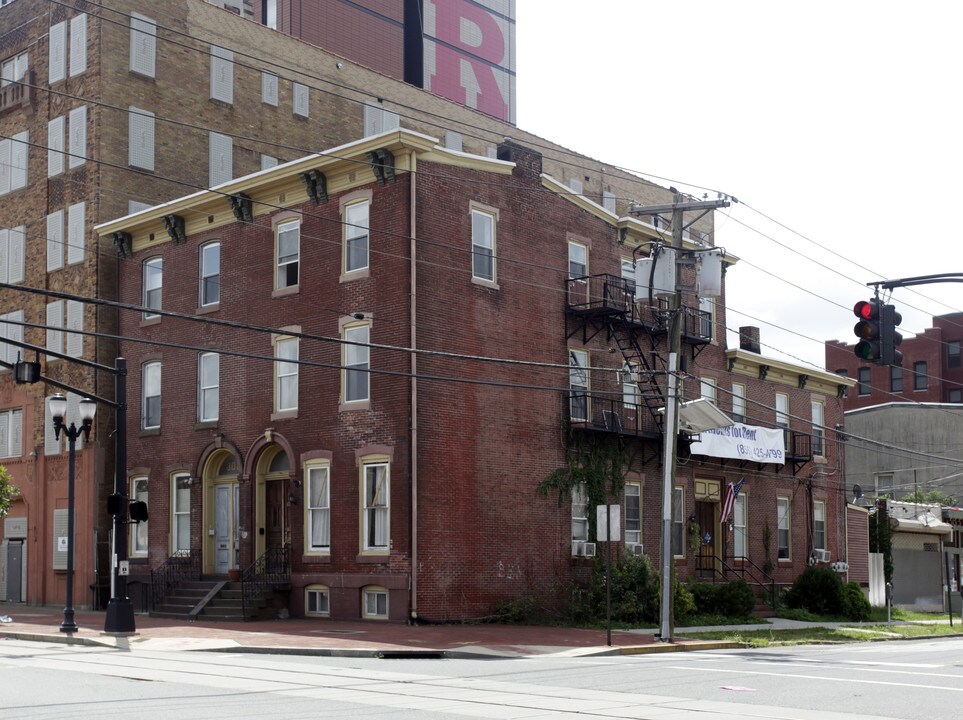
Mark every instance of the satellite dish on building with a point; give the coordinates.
(857, 491)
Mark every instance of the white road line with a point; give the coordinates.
(832, 679)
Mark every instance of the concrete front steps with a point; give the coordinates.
(213, 600)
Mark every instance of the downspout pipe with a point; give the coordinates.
(413, 343)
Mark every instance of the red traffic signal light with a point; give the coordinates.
(867, 330)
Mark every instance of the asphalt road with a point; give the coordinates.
(905, 679)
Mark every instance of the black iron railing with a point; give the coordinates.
(182, 565)
(604, 295)
(608, 413)
(741, 567)
(270, 571)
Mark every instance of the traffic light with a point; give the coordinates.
(889, 319)
(867, 330)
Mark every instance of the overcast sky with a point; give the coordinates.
(840, 121)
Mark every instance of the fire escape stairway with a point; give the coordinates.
(626, 335)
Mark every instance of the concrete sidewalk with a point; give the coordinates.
(347, 639)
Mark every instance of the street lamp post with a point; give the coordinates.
(58, 409)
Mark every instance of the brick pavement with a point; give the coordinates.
(323, 637)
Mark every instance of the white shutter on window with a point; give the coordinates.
(608, 201)
(4, 255)
(221, 159)
(6, 157)
(16, 433)
(60, 523)
(143, 41)
(222, 74)
(78, 44)
(5, 447)
(55, 321)
(390, 120)
(140, 138)
(16, 241)
(267, 161)
(18, 160)
(373, 123)
(301, 100)
(133, 206)
(75, 322)
(78, 136)
(269, 88)
(55, 240)
(76, 230)
(58, 58)
(453, 140)
(55, 146)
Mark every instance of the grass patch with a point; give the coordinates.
(877, 614)
(709, 619)
(818, 635)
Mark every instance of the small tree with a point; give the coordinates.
(932, 497)
(8, 491)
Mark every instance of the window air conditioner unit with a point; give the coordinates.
(577, 549)
(634, 548)
(588, 549)
(822, 555)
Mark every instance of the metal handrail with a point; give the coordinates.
(270, 570)
(744, 571)
(182, 565)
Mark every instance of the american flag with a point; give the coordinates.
(731, 494)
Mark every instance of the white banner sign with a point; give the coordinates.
(743, 442)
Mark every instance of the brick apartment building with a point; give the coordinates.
(932, 369)
(92, 127)
(333, 388)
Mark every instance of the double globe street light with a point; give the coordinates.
(58, 409)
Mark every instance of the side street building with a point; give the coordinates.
(365, 365)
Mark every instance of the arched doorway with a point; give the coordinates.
(222, 526)
(271, 507)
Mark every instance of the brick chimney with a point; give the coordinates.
(749, 339)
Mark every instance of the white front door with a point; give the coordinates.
(225, 527)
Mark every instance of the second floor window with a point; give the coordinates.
(153, 286)
(579, 385)
(376, 536)
(286, 374)
(920, 379)
(210, 274)
(319, 509)
(577, 260)
(356, 364)
(208, 387)
(782, 528)
(738, 403)
(11, 433)
(819, 525)
(895, 379)
(782, 418)
(953, 354)
(288, 254)
(150, 413)
(863, 380)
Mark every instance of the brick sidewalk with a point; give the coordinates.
(325, 637)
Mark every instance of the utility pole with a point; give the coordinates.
(673, 396)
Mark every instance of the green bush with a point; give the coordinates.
(635, 592)
(704, 595)
(683, 604)
(734, 599)
(857, 604)
(818, 590)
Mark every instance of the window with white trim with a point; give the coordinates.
(153, 286)
(819, 429)
(483, 245)
(740, 535)
(288, 254)
(138, 531)
(11, 331)
(782, 528)
(65, 315)
(356, 380)
(14, 69)
(286, 374)
(268, 162)
(14, 153)
(55, 328)
(180, 512)
(12, 248)
(884, 485)
(920, 377)
(143, 43)
(577, 260)
(580, 523)
(578, 385)
(208, 386)
(150, 396)
(222, 74)
(738, 403)
(374, 603)
(317, 508)
(707, 389)
(11, 433)
(221, 158)
(209, 290)
(376, 519)
(630, 386)
(377, 119)
(819, 524)
(633, 513)
(76, 232)
(317, 600)
(782, 419)
(356, 218)
(678, 521)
